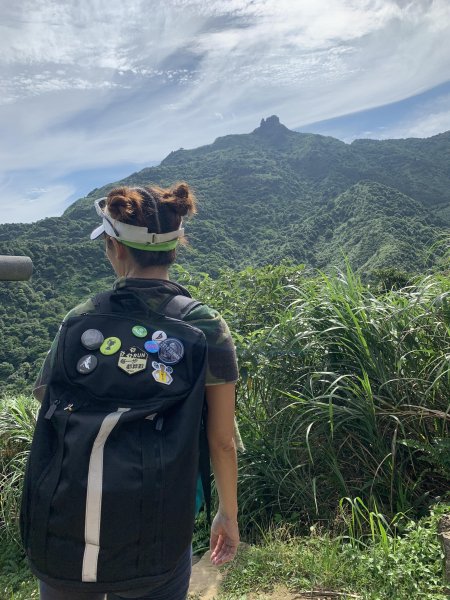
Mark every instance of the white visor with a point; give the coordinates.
(98, 231)
(130, 233)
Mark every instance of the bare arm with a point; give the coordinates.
(222, 446)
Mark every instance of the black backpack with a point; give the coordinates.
(110, 487)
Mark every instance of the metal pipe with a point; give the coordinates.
(15, 268)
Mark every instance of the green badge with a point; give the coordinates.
(139, 331)
(110, 346)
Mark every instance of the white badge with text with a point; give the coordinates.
(132, 360)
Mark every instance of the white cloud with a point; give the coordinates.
(429, 118)
(23, 85)
(33, 204)
(427, 126)
(96, 34)
(88, 84)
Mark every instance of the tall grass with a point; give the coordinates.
(347, 395)
(17, 420)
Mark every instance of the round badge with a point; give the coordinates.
(110, 346)
(171, 351)
(92, 339)
(87, 364)
(151, 346)
(159, 336)
(139, 331)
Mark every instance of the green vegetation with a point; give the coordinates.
(343, 405)
(343, 399)
(276, 193)
(343, 393)
(270, 196)
(17, 420)
(390, 568)
(16, 581)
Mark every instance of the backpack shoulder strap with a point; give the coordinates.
(113, 301)
(102, 302)
(178, 307)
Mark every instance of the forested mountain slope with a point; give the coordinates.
(266, 196)
(275, 194)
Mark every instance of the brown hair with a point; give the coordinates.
(158, 209)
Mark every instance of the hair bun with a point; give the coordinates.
(181, 191)
(124, 203)
(180, 199)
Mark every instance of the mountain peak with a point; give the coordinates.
(270, 123)
(272, 128)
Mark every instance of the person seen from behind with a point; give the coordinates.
(141, 227)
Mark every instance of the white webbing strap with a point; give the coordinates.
(94, 497)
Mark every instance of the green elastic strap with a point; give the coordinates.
(162, 247)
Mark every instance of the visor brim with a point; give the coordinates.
(98, 231)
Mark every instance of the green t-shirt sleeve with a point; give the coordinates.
(222, 363)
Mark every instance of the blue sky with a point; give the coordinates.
(422, 115)
(92, 91)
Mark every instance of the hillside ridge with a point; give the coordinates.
(274, 193)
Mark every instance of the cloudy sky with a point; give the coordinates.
(94, 90)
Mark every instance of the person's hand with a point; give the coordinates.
(224, 539)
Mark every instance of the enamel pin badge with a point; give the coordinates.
(151, 346)
(171, 351)
(159, 336)
(139, 331)
(132, 360)
(110, 346)
(92, 339)
(162, 373)
(87, 364)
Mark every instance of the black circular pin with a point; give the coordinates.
(87, 364)
(92, 339)
(171, 351)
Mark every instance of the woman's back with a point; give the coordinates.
(115, 462)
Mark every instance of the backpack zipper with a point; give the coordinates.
(53, 406)
(70, 407)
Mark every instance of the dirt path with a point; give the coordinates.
(205, 579)
(205, 583)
